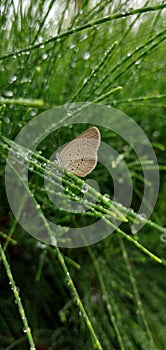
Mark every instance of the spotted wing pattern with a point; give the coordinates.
(80, 155)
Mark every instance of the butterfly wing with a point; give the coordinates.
(82, 167)
(80, 155)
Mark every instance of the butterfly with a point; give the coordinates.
(79, 157)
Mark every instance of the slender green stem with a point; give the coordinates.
(106, 298)
(136, 293)
(15, 290)
(22, 102)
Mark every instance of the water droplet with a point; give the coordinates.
(106, 197)
(84, 187)
(8, 93)
(163, 238)
(156, 133)
(25, 80)
(137, 63)
(72, 45)
(142, 217)
(38, 69)
(120, 180)
(84, 37)
(44, 56)
(75, 300)
(40, 245)
(6, 120)
(12, 79)
(117, 161)
(68, 280)
(86, 55)
(73, 64)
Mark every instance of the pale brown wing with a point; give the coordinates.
(80, 155)
(82, 167)
(92, 137)
(89, 140)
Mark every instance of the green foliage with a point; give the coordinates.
(109, 295)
